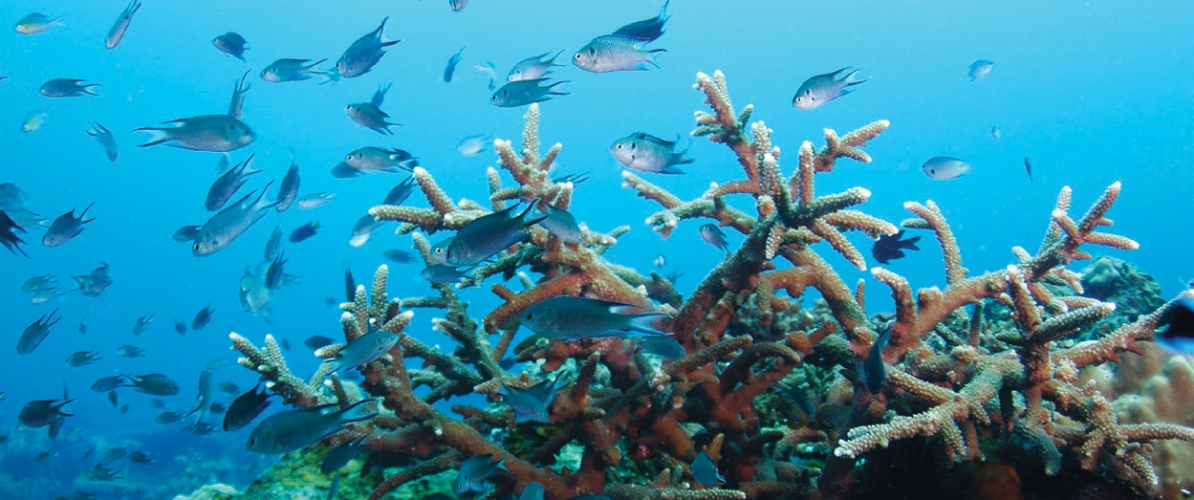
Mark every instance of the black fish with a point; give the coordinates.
(1179, 322)
(245, 408)
(8, 235)
(873, 369)
(317, 341)
(399, 256)
(401, 192)
(1028, 168)
(303, 232)
(202, 318)
(180, 326)
(888, 248)
(350, 287)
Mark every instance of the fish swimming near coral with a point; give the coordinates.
(945, 168)
(664, 347)
(704, 470)
(874, 370)
(315, 200)
(445, 274)
(524, 92)
(474, 471)
(714, 236)
(559, 222)
(487, 69)
(819, 90)
(370, 115)
(647, 153)
(341, 455)
(531, 404)
(623, 49)
(245, 408)
(364, 53)
(485, 236)
(570, 318)
(1178, 335)
(399, 193)
(890, 247)
(473, 145)
(363, 350)
(292, 430)
(121, 26)
(373, 159)
(534, 67)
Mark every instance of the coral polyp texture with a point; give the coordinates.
(993, 391)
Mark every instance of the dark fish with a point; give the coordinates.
(401, 192)
(232, 44)
(228, 224)
(290, 70)
(316, 341)
(114, 454)
(1178, 322)
(888, 248)
(226, 186)
(944, 168)
(8, 234)
(665, 347)
(94, 284)
(273, 275)
(334, 488)
(180, 326)
(67, 87)
(534, 67)
(364, 53)
(116, 34)
(704, 471)
(1028, 168)
(199, 429)
(303, 232)
(291, 430)
(874, 369)
(218, 409)
(531, 404)
(979, 69)
(204, 399)
(108, 383)
(228, 388)
(341, 455)
(128, 351)
(139, 458)
(45, 455)
(567, 318)
(647, 30)
(271, 245)
(202, 318)
(524, 92)
(444, 274)
(646, 153)
(362, 350)
(485, 236)
(820, 89)
(154, 384)
(350, 287)
(104, 137)
(100, 473)
(112, 398)
(399, 256)
(245, 408)
(142, 325)
(45, 413)
(156, 403)
(35, 333)
(559, 222)
(215, 133)
(713, 236)
(451, 66)
(370, 115)
(288, 191)
(168, 417)
(474, 471)
(798, 396)
(66, 227)
(82, 358)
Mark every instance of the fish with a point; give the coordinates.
(350, 286)
(35, 22)
(214, 133)
(362, 350)
(142, 325)
(373, 159)
(533, 68)
(228, 388)
(273, 275)
(114, 454)
(8, 234)
(107, 384)
(33, 120)
(290, 70)
(25, 218)
(704, 471)
(168, 417)
(156, 403)
(623, 49)
(66, 227)
(1178, 323)
(341, 455)
(38, 282)
(104, 137)
(457, 5)
(228, 224)
(996, 133)
(363, 229)
(664, 347)
(100, 473)
(112, 398)
(798, 396)
(364, 53)
(820, 89)
(301, 233)
(568, 318)
(202, 318)
(46, 413)
(944, 168)
(288, 190)
(532, 491)
(45, 455)
(574, 177)
(450, 68)
(82, 358)
(204, 398)
(12, 198)
(646, 153)
(315, 200)
(888, 248)
(659, 261)
(1028, 168)
(94, 283)
(121, 26)
(488, 70)
(253, 293)
(154, 384)
(713, 236)
(531, 404)
(231, 43)
(473, 145)
(44, 295)
(399, 193)
(129, 351)
(139, 458)
(559, 222)
(444, 274)
(317, 341)
(474, 471)
(524, 92)
(874, 370)
(245, 408)
(199, 429)
(218, 408)
(485, 236)
(35, 333)
(979, 69)
(180, 326)
(236, 105)
(399, 256)
(271, 245)
(369, 114)
(67, 87)
(292, 430)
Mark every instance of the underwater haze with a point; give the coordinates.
(993, 109)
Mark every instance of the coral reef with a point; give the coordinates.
(1000, 383)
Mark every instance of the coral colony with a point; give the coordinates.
(945, 387)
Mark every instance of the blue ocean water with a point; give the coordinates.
(1093, 92)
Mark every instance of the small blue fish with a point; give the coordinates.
(129, 351)
(292, 430)
(237, 103)
(945, 168)
(524, 92)
(226, 186)
(473, 144)
(121, 26)
(444, 274)
(457, 5)
(271, 245)
(485, 236)
(274, 274)
(399, 193)
(364, 53)
(532, 491)
(450, 68)
(232, 44)
(245, 408)
(820, 89)
(34, 23)
(874, 369)
(370, 115)
(82, 358)
(108, 383)
(66, 227)
(474, 471)
(33, 120)
(341, 455)
(487, 69)
(154, 384)
(67, 87)
(104, 137)
(94, 283)
(142, 325)
(288, 190)
(202, 318)
(180, 326)
(798, 396)
(646, 153)
(559, 222)
(714, 236)
(979, 69)
(8, 234)
(290, 70)
(704, 471)
(35, 333)
(228, 224)
(363, 350)
(315, 200)
(568, 318)
(665, 347)
(363, 230)
(531, 404)
(301, 233)
(534, 67)
(215, 133)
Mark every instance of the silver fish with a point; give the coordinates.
(820, 89)
(473, 144)
(364, 53)
(533, 68)
(232, 44)
(524, 92)
(66, 227)
(713, 236)
(362, 230)
(290, 70)
(226, 186)
(35, 22)
(116, 34)
(979, 69)
(362, 350)
(370, 115)
(944, 168)
(485, 236)
(104, 136)
(315, 200)
(450, 68)
(646, 153)
(44, 295)
(228, 224)
(67, 87)
(559, 222)
(608, 53)
(291, 430)
(565, 317)
(215, 133)
(129, 351)
(372, 159)
(35, 333)
(288, 191)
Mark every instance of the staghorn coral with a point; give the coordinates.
(627, 426)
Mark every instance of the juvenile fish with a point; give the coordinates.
(290, 70)
(303, 232)
(128, 351)
(399, 193)
(154, 384)
(67, 87)
(34, 23)
(8, 234)
(979, 69)
(288, 191)
(487, 69)
(888, 248)
(315, 200)
(524, 92)
(944, 168)
(35, 333)
(713, 236)
(142, 325)
(474, 471)
(33, 120)
(820, 89)
(228, 224)
(559, 222)
(341, 455)
(108, 383)
(534, 67)
(362, 350)
(104, 137)
(215, 133)
(121, 26)
(66, 227)
(646, 153)
(232, 44)
(370, 115)
(364, 53)
(450, 68)
(202, 318)
(568, 318)
(291, 430)
(473, 144)
(485, 236)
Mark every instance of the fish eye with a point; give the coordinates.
(578, 56)
(196, 246)
(530, 316)
(932, 170)
(349, 157)
(619, 146)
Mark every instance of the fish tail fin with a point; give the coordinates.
(358, 411)
(390, 43)
(852, 78)
(552, 62)
(87, 89)
(910, 243)
(159, 136)
(645, 324)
